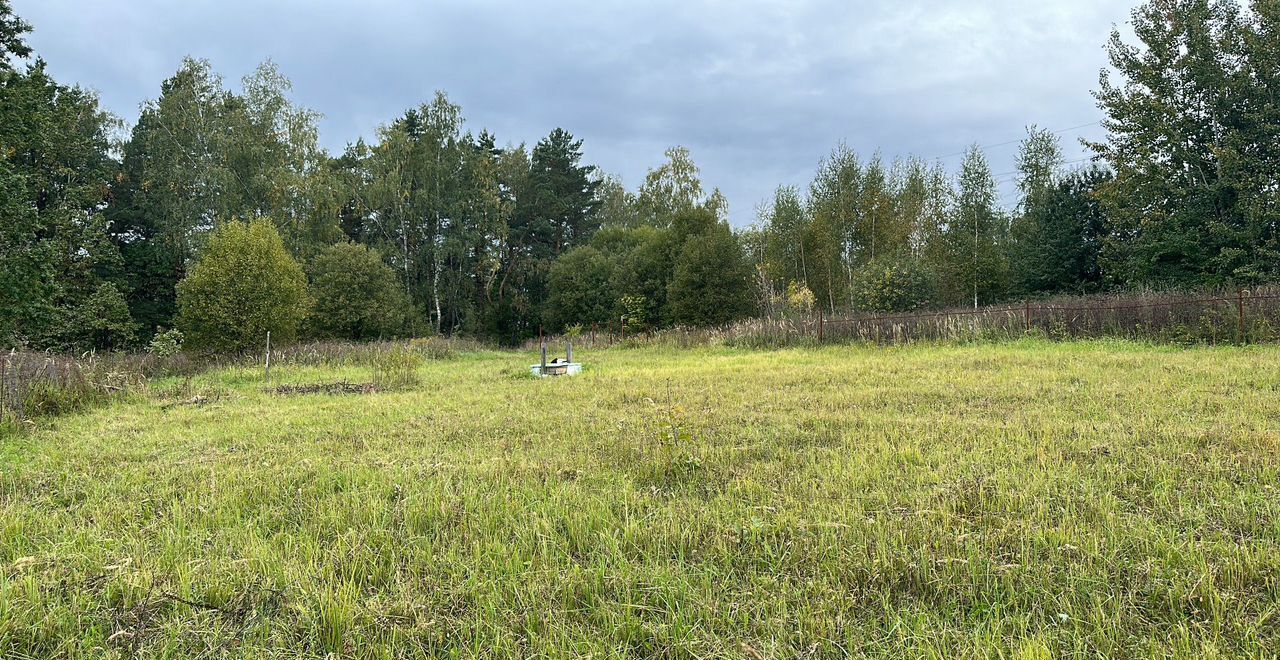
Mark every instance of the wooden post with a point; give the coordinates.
(819, 325)
(543, 370)
(268, 357)
(1240, 307)
(1026, 314)
(594, 327)
(623, 323)
(569, 350)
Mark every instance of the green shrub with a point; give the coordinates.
(355, 295)
(711, 284)
(799, 299)
(893, 284)
(244, 286)
(635, 312)
(166, 343)
(100, 321)
(578, 289)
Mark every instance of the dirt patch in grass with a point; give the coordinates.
(326, 388)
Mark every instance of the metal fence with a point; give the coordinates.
(1235, 317)
(33, 384)
(1239, 317)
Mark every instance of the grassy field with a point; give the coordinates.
(1024, 500)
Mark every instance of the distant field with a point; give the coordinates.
(1027, 499)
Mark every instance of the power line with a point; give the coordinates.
(1062, 164)
(1006, 177)
(1005, 144)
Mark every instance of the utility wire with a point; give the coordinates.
(1005, 144)
(1014, 173)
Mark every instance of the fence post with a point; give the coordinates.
(268, 357)
(1240, 307)
(819, 325)
(1026, 313)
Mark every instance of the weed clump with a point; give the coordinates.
(36, 385)
(433, 348)
(396, 368)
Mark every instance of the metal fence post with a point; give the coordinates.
(1240, 306)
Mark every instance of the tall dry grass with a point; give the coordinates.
(35, 384)
(1198, 317)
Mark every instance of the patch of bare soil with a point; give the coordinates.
(326, 388)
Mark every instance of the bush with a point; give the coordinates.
(635, 312)
(100, 321)
(244, 286)
(355, 295)
(893, 284)
(711, 284)
(166, 343)
(579, 289)
(800, 299)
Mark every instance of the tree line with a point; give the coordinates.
(218, 213)
(1183, 193)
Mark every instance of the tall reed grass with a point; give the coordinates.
(1200, 317)
(35, 384)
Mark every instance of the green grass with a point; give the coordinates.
(1023, 500)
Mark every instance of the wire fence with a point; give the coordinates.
(1233, 317)
(35, 384)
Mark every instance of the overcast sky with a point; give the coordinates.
(759, 91)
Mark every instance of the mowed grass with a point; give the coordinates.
(1023, 500)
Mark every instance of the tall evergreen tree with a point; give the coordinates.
(57, 268)
(560, 210)
(1039, 160)
(1059, 242)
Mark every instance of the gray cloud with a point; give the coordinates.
(759, 91)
